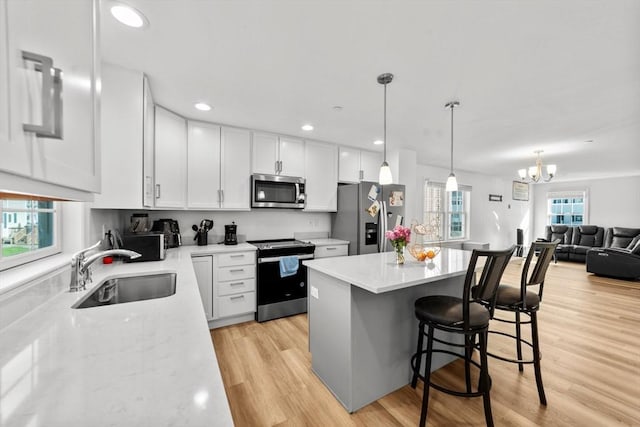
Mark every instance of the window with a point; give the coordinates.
(567, 207)
(29, 231)
(446, 213)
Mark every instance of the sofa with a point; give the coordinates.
(620, 256)
(576, 241)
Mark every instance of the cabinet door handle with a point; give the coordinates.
(157, 191)
(236, 283)
(222, 193)
(219, 196)
(236, 297)
(361, 174)
(277, 166)
(51, 126)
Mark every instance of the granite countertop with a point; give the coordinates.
(145, 363)
(378, 273)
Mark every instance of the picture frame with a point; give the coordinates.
(520, 191)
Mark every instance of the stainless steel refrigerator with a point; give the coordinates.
(365, 211)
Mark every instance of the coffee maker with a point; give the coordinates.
(230, 236)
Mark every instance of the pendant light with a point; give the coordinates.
(384, 178)
(452, 183)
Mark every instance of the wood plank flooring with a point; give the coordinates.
(590, 341)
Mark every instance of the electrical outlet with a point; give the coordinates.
(314, 292)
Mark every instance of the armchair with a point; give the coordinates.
(620, 258)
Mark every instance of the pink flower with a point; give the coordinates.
(399, 236)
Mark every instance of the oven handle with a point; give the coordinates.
(278, 258)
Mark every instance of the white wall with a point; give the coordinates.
(258, 224)
(492, 222)
(611, 201)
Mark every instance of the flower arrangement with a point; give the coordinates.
(400, 236)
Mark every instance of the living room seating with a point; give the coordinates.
(574, 241)
(620, 256)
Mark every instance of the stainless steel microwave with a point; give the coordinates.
(277, 191)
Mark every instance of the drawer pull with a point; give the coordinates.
(236, 270)
(237, 256)
(236, 283)
(237, 297)
(332, 249)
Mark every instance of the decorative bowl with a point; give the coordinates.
(422, 253)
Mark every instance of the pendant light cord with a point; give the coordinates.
(385, 123)
(451, 137)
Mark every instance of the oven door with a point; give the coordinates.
(274, 289)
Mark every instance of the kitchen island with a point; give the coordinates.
(145, 363)
(362, 327)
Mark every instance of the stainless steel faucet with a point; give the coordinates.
(80, 272)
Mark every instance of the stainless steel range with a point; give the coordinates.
(281, 296)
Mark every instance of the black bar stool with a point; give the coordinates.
(522, 301)
(468, 316)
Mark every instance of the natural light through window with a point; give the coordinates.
(29, 231)
(567, 207)
(447, 212)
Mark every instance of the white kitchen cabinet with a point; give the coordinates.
(327, 251)
(203, 267)
(358, 165)
(234, 284)
(218, 167)
(277, 155)
(235, 168)
(321, 166)
(170, 159)
(148, 114)
(60, 106)
(203, 160)
(122, 130)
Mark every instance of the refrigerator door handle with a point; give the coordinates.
(382, 227)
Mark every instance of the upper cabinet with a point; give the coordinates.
(321, 165)
(170, 159)
(49, 123)
(218, 167)
(122, 129)
(148, 130)
(277, 155)
(358, 165)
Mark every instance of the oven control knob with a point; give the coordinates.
(302, 284)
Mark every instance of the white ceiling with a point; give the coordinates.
(560, 76)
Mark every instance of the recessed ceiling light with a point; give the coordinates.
(337, 108)
(307, 127)
(378, 142)
(202, 106)
(128, 15)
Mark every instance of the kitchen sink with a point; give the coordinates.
(120, 290)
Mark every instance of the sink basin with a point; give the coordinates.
(128, 289)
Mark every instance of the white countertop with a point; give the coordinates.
(326, 242)
(378, 273)
(145, 363)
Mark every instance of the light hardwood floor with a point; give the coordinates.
(590, 341)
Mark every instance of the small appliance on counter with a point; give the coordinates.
(149, 245)
(230, 234)
(139, 223)
(201, 232)
(171, 231)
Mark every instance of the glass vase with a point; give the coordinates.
(400, 255)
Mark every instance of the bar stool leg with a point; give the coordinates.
(485, 381)
(467, 364)
(427, 379)
(536, 357)
(518, 341)
(414, 380)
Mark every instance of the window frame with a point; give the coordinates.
(30, 256)
(570, 194)
(446, 213)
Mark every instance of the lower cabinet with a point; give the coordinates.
(331, 251)
(227, 284)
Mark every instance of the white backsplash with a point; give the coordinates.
(258, 224)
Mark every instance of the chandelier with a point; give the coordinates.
(535, 172)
